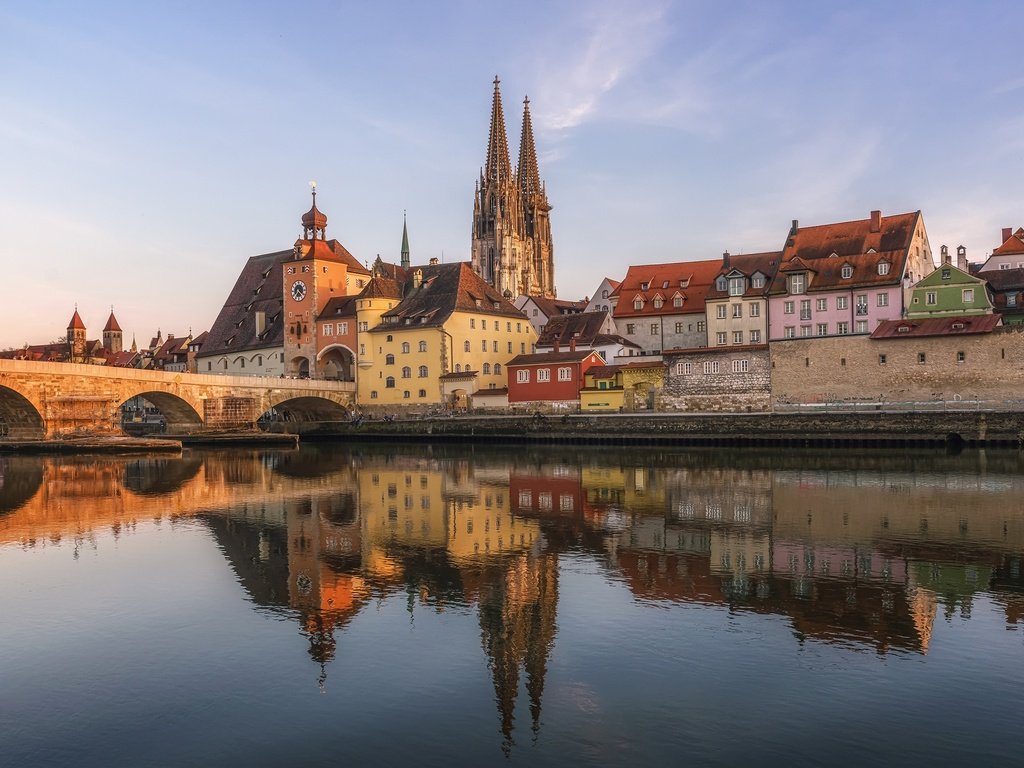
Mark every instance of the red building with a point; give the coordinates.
(549, 377)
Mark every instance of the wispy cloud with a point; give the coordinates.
(616, 38)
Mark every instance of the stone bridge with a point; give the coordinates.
(46, 400)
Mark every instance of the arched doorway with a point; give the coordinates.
(337, 362)
(299, 368)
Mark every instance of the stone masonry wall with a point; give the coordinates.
(851, 369)
(726, 390)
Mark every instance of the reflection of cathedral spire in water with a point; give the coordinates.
(517, 622)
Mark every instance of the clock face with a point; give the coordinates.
(298, 290)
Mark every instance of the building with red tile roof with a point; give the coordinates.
(937, 326)
(737, 302)
(661, 306)
(846, 278)
(549, 378)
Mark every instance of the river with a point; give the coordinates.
(460, 605)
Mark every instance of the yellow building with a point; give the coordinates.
(418, 326)
(628, 387)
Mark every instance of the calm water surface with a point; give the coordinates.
(415, 605)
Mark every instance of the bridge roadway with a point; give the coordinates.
(48, 400)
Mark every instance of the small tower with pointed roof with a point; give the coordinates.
(76, 338)
(112, 334)
(511, 236)
(405, 243)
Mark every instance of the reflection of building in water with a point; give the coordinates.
(554, 490)
(517, 604)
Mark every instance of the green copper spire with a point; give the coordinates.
(405, 242)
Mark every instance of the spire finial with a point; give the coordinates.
(313, 221)
(498, 167)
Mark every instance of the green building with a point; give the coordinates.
(949, 292)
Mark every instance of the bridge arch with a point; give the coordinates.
(307, 408)
(19, 417)
(179, 413)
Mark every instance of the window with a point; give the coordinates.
(373, 395)
(565, 374)
(497, 369)
(737, 286)
(842, 302)
(755, 337)
(423, 393)
(882, 299)
(721, 337)
(658, 302)
(862, 326)
(679, 326)
(883, 267)
(946, 274)
(931, 298)
(519, 327)
(544, 374)
(701, 325)
(1011, 299)
(472, 320)
(328, 329)
(654, 329)
(842, 328)
(823, 329)
(683, 369)
(721, 284)
(630, 329)
(362, 349)
(494, 346)
(805, 331)
(737, 337)
(711, 366)
(510, 347)
(677, 301)
(389, 359)
(797, 283)
(755, 309)
(389, 382)
(737, 310)
(821, 305)
(881, 360)
(968, 294)
(638, 303)
(862, 304)
(789, 332)
(921, 359)
(961, 357)
(508, 327)
(805, 309)
(483, 345)
(604, 294)
(361, 328)
(720, 311)
(644, 286)
(406, 372)
(424, 372)
(343, 329)
(740, 366)
(423, 346)
(787, 308)
(391, 338)
(483, 324)
(458, 367)
(487, 369)
(847, 272)
(523, 376)
(757, 281)
(1004, 266)
(406, 394)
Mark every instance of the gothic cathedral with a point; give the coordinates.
(512, 247)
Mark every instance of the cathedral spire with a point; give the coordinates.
(527, 173)
(405, 242)
(498, 166)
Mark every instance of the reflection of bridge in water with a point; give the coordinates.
(866, 557)
(52, 399)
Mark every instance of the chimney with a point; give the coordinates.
(725, 259)
(1007, 233)
(556, 345)
(944, 259)
(795, 228)
(433, 261)
(961, 258)
(572, 344)
(261, 322)
(876, 221)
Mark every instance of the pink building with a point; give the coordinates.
(846, 278)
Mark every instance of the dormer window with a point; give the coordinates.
(720, 283)
(946, 273)
(903, 329)
(644, 286)
(658, 302)
(677, 301)
(757, 281)
(737, 286)
(664, 283)
(847, 272)
(638, 303)
(883, 267)
(798, 283)
(479, 303)
(957, 326)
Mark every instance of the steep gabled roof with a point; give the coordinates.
(258, 288)
(330, 250)
(112, 325)
(75, 323)
(339, 306)
(851, 238)
(747, 265)
(1004, 279)
(1014, 244)
(692, 279)
(583, 327)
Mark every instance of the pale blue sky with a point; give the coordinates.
(147, 149)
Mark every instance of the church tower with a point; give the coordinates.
(112, 334)
(511, 232)
(76, 338)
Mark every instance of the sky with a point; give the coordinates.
(148, 149)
